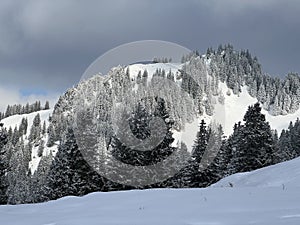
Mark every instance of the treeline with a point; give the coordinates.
(239, 68)
(289, 142)
(162, 60)
(19, 109)
(252, 145)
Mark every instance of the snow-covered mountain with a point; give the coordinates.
(183, 110)
(233, 107)
(217, 88)
(258, 197)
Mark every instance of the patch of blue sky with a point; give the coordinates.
(29, 92)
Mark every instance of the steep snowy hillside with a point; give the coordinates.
(15, 121)
(286, 174)
(262, 200)
(227, 111)
(234, 106)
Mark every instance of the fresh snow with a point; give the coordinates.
(281, 122)
(266, 196)
(151, 68)
(237, 105)
(228, 114)
(282, 175)
(15, 120)
(234, 108)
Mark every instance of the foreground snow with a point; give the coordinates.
(258, 197)
(284, 175)
(164, 207)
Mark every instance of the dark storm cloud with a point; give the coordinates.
(48, 44)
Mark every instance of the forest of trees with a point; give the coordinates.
(252, 145)
(239, 68)
(19, 109)
(63, 170)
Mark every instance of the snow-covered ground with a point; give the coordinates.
(284, 175)
(15, 120)
(228, 114)
(256, 198)
(151, 68)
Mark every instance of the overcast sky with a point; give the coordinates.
(46, 45)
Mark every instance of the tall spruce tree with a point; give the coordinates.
(201, 141)
(259, 139)
(139, 125)
(237, 148)
(3, 166)
(295, 136)
(70, 174)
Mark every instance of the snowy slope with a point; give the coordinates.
(236, 107)
(15, 120)
(228, 114)
(286, 174)
(257, 197)
(151, 68)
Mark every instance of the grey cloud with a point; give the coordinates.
(50, 43)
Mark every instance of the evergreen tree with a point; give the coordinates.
(145, 77)
(252, 143)
(51, 136)
(39, 179)
(139, 125)
(15, 136)
(222, 159)
(18, 190)
(41, 148)
(3, 165)
(47, 105)
(70, 174)
(44, 128)
(139, 78)
(284, 149)
(237, 148)
(200, 142)
(258, 139)
(23, 126)
(295, 136)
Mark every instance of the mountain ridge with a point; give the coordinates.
(217, 87)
